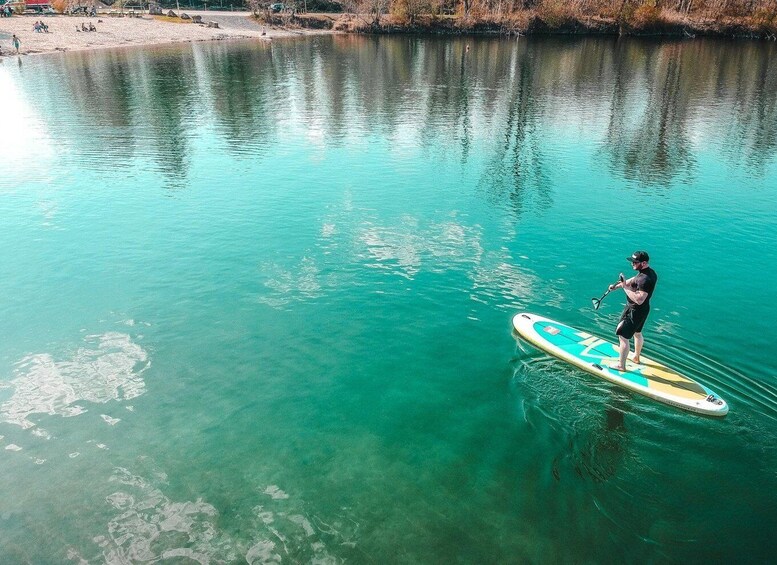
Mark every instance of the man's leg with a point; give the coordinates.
(638, 341)
(624, 352)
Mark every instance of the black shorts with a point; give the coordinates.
(631, 322)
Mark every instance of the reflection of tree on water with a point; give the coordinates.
(651, 140)
(376, 76)
(657, 148)
(104, 85)
(466, 120)
(447, 74)
(171, 81)
(243, 95)
(518, 165)
(144, 98)
(507, 94)
(103, 90)
(757, 123)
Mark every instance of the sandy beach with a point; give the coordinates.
(65, 33)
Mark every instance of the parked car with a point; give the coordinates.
(277, 7)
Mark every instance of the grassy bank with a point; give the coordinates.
(723, 18)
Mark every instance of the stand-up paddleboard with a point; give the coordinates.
(594, 355)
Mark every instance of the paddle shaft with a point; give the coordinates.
(598, 301)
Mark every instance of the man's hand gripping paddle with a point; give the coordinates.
(598, 301)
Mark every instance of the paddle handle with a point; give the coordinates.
(621, 279)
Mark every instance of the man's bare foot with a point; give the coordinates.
(636, 360)
(617, 367)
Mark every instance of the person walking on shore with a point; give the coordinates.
(638, 289)
(16, 43)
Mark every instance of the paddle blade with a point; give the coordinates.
(596, 302)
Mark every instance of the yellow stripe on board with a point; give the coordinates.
(589, 341)
(661, 378)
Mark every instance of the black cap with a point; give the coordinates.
(638, 257)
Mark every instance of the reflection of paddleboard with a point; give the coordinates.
(593, 355)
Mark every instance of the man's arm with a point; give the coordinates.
(638, 296)
(629, 286)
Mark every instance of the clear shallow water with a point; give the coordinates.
(256, 301)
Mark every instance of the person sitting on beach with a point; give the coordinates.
(36, 27)
(91, 27)
(83, 27)
(44, 27)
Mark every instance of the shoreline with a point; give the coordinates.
(530, 23)
(145, 31)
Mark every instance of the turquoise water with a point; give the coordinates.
(256, 301)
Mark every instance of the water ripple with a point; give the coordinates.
(111, 369)
(149, 526)
(148, 522)
(402, 249)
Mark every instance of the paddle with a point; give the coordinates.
(598, 301)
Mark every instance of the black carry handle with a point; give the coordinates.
(598, 301)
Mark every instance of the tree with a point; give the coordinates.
(410, 9)
(369, 11)
(256, 5)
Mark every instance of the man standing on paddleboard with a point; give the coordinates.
(638, 289)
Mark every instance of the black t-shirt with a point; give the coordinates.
(646, 280)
